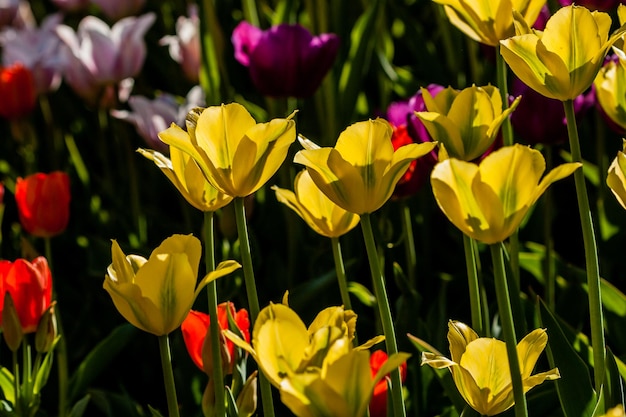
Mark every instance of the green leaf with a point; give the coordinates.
(79, 408)
(6, 385)
(613, 382)
(44, 370)
(154, 412)
(577, 396)
(362, 293)
(362, 42)
(99, 359)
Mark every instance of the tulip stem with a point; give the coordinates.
(474, 287)
(168, 376)
(549, 272)
(409, 243)
(508, 329)
(217, 372)
(384, 311)
(253, 299)
(591, 252)
(341, 273)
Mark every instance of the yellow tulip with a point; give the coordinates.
(359, 174)
(487, 202)
(317, 210)
(316, 370)
(156, 294)
(186, 176)
(562, 61)
(616, 178)
(490, 21)
(235, 154)
(480, 367)
(465, 122)
(617, 411)
(610, 84)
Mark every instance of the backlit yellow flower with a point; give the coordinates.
(480, 367)
(562, 61)
(317, 371)
(466, 122)
(186, 176)
(616, 178)
(359, 174)
(156, 294)
(317, 210)
(490, 21)
(235, 154)
(487, 202)
(617, 411)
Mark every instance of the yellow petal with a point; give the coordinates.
(362, 143)
(459, 336)
(616, 180)
(442, 129)
(223, 268)
(529, 349)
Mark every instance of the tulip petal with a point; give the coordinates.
(529, 349)
(459, 336)
(557, 173)
(443, 130)
(362, 143)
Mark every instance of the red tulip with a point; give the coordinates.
(195, 330)
(30, 286)
(1, 193)
(378, 403)
(17, 89)
(43, 202)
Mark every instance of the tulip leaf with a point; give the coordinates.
(353, 71)
(576, 393)
(99, 359)
(81, 405)
(361, 292)
(6, 385)
(44, 370)
(154, 412)
(613, 382)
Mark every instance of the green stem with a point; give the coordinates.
(16, 384)
(508, 329)
(341, 273)
(409, 244)
(253, 299)
(217, 372)
(168, 376)
(503, 86)
(591, 252)
(474, 287)
(384, 311)
(210, 74)
(549, 270)
(250, 12)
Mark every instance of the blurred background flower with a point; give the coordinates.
(184, 47)
(17, 89)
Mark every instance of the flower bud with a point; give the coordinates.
(46, 330)
(247, 399)
(11, 326)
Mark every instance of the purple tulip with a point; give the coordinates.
(538, 119)
(185, 46)
(99, 57)
(71, 5)
(602, 5)
(153, 116)
(8, 11)
(285, 60)
(118, 9)
(38, 49)
(407, 128)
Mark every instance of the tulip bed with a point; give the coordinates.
(317, 208)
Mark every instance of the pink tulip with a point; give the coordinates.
(117, 9)
(99, 57)
(8, 11)
(185, 45)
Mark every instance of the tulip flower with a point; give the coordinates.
(359, 174)
(38, 49)
(117, 9)
(378, 403)
(236, 154)
(195, 329)
(17, 89)
(99, 57)
(616, 178)
(316, 370)
(156, 294)
(184, 173)
(539, 119)
(611, 93)
(617, 411)
(153, 116)
(464, 134)
(558, 63)
(407, 128)
(30, 286)
(1, 194)
(488, 202)
(285, 60)
(490, 21)
(8, 12)
(184, 47)
(71, 5)
(43, 202)
(479, 367)
(318, 211)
